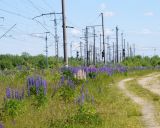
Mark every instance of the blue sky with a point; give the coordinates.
(138, 19)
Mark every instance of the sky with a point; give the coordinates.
(139, 20)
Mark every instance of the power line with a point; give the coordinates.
(44, 27)
(16, 14)
(44, 1)
(7, 31)
(34, 6)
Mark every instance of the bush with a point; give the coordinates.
(12, 107)
(66, 93)
(86, 117)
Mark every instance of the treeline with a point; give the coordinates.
(27, 61)
(142, 61)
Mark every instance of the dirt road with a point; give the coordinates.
(148, 111)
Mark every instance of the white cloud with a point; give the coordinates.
(149, 14)
(109, 14)
(146, 31)
(75, 32)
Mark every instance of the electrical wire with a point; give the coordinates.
(16, 14)
(7, 31)
(34, 6)
(44, 27)
(44, 1)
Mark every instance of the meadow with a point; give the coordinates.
(55, 99)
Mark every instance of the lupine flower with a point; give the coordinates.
(1, 125)
(37, 83)
(44, 83)
(82, 98)
(22, 93)
(14, 94)
(8, 93)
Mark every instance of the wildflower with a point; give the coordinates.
(8, 93)
(1, 125)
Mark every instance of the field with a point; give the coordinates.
(66, 102)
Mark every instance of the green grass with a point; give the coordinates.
(112, 107)
(146, 94)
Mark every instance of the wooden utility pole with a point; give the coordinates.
(100, 50)
(64, 34)
(94, 46)
(103, 35)
(113, 53)
(117, 52)
(124, 49)
(86, 39)
(56, 38)
(107, 57)
(71, 45)
(122, 46)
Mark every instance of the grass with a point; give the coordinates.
(113, 109)
(146, 94)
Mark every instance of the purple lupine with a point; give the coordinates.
(22, 93)
(37, 86)
(82, 98)
(16, 95)
(8, 92)
(1, 125)
(62, 79)
(13, 96)
(70, 84)
(44, 83)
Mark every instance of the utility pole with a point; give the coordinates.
(100, 50)
(130, 51)
(55, 27)
(109, 53)
(128, 48)
(134, 50)
(117, 56)
(71, 49)
(103, 38)
(120, 56)
(81, 49)
(94, 40)
(122, 45)
(124, 49)
(64, 34)
(46, 39)
(56, 37)
(107, 57)
(86, 38)
(113, 54)
(94, 46)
